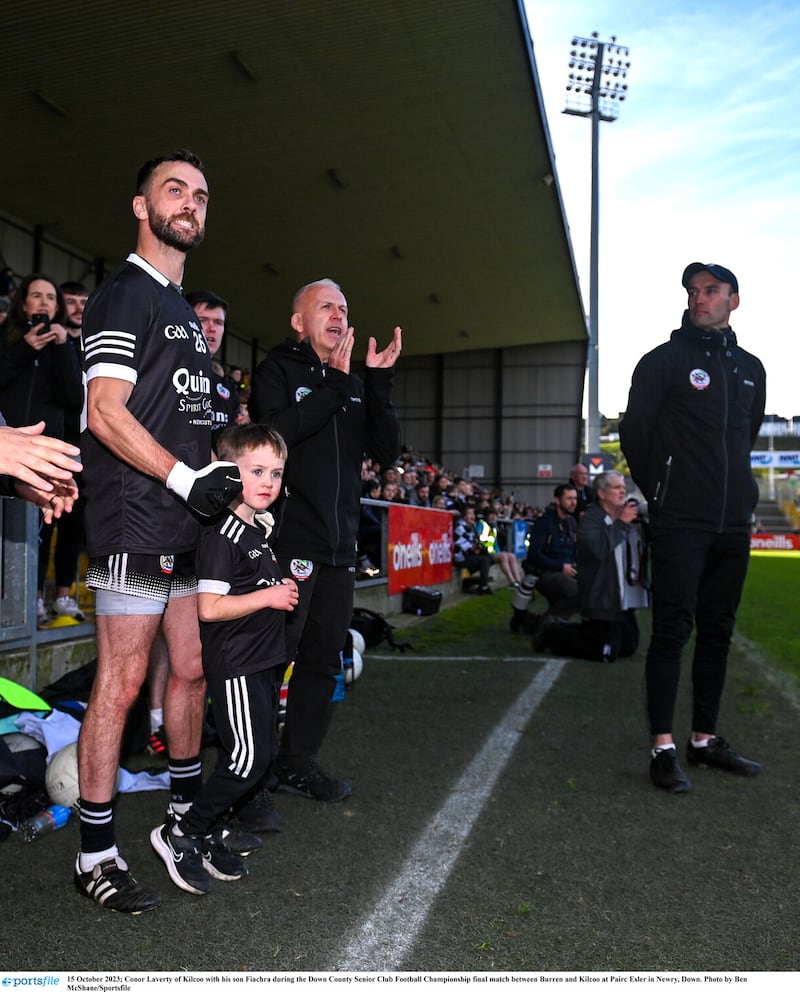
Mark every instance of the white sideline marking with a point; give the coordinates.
(383, 939)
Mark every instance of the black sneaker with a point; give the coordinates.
(183, 858)
(718, 754)
(259, 814)
(112, 885)
(666, 773)
(219, 860)
(311, 781)
(240, 842)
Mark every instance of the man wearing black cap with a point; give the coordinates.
(695, 407)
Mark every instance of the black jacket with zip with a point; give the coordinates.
(694, 411)
(329, 420)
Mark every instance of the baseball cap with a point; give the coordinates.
(717, 271)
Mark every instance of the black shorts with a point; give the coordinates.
(153, 577)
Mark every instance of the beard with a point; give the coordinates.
(174, 238)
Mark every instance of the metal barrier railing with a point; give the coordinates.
(19, 544)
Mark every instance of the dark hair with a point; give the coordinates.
(16, 325)
(206, 296)
(145, 174)
(234, 441)
(559, 491)
(74, 288)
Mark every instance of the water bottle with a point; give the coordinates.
(44, 822)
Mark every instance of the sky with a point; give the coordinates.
(703, 164)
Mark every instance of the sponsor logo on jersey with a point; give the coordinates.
(194, 392)
(301, 568)
(223, 391)
(190, 383)
(301, 392)
(699, 379)
(167, 564)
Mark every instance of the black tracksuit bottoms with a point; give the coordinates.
(698, 578)
(243, 708)
(315, 634)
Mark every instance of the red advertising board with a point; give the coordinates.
(420, 547)
(775, 542)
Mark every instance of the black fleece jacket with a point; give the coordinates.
(329, 420)
(694, 411)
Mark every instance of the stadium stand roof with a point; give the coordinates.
(397, 146)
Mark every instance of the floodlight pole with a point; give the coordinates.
(597, 85)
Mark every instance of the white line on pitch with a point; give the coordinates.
(384, 938)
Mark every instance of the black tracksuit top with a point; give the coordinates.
(694, 411)
(329, 420)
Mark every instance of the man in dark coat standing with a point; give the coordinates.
(694, 411)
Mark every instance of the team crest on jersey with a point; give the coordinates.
(301, 392)
(167, 563)
(301, 568)
(223, 391)
(699, 379)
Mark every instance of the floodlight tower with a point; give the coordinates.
(595, 89)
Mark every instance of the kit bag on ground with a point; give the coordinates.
(374, 628)
(421, 601)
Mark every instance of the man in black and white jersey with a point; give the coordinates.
(147, 452)
(212, 313)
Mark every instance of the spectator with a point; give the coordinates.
(212, 314)
(470, 553)
(550, 565)
(370, 532)
(69, 533)
(611, 573)
(244, 410)
(391, 493)
(490, 537)
(39, 378)
(420, 495)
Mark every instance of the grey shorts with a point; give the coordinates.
(138, 585)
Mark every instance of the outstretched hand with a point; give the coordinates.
(36, 459)
(53, 503)
(385, 359)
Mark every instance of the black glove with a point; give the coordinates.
(207, 490)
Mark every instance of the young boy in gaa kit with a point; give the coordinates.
(242, 601)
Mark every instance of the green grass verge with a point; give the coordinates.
(472, 626)
(767, 615)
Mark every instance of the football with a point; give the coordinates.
(352, 673)
(61, 778)
(358, 640)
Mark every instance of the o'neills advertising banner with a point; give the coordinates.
(775, 542)
(420, 547)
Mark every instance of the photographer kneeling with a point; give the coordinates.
(611, 577)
